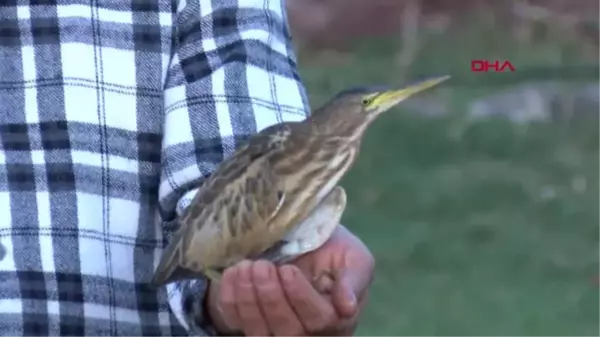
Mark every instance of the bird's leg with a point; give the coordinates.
(314, 230)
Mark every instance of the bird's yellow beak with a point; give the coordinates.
(392, 97)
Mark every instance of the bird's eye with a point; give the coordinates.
(366, 101)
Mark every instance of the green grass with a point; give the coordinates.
(488, 230)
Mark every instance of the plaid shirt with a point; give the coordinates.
(111, 112)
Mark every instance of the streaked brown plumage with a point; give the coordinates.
(277, 189)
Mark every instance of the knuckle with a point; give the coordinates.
(251, 318)
(256, 331)
(249, 312)
(321, 322)
(227, 301)
(227, 309)
(316, 325)
(294, 333)
(297, 332)
(294, 293)
(327, 320)
(289, 286)
(270, 299)
(245, 301)
(276, 314)
(329, 316)
(245, 297)
(274, 303)
(253, 324)
(231, 318)
(231, 321)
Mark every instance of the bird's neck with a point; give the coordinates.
(344, 128)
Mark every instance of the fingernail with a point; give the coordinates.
(244, 273)
(261, 273)
(351, 299)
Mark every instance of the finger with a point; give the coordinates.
(344, 295)
(347, 326)
(278, 313)
(350, 284)
(324, 283)
(314, 311)
(227, 304)
(251, 318)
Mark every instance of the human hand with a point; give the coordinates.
(351, 264)
(258, 298)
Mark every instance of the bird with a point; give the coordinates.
(277, 197)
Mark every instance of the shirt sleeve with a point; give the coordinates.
(232, 73)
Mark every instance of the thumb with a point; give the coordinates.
(348, 286)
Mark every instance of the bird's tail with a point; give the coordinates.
(169, 261)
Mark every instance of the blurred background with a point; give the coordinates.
(479, 199)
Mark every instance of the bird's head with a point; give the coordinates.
(357, 107)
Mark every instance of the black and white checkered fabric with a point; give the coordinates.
(111, 112)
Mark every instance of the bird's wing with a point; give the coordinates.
(243, 185)
(229, 216)
(240, 216)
